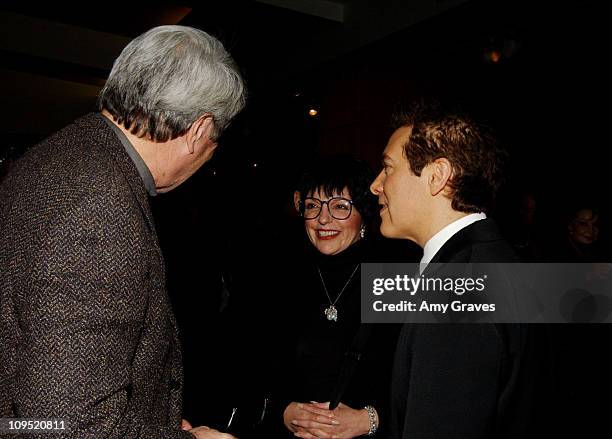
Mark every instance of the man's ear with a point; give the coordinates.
(201, 129)
(441, 173)
(296, 201)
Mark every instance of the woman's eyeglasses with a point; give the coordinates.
(339, 208)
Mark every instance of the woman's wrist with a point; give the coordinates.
(372, 420)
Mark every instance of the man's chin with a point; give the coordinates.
(391, 232)
(387, 231)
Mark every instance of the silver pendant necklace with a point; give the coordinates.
(331, 312)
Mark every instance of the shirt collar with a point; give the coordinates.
(436, 242)
(141, 166)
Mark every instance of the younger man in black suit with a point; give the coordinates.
(441, 171)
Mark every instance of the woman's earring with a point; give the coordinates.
(362, 232)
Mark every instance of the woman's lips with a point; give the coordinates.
(327, 234)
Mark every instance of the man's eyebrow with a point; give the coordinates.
(386, 158)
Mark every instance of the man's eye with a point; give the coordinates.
(342, 207)
(310, 206)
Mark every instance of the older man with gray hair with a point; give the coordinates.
(87, 331)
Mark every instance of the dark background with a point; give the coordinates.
(536, 71)
(545, 95)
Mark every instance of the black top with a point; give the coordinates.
(321, 343)
(316, 347)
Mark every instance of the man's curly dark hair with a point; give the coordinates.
(473, 152)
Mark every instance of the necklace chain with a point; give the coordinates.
(331, 312)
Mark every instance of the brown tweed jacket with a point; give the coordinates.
(86, 328)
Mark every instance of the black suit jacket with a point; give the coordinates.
(86, 327)
(465, 380)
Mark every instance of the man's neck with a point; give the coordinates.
(439, 222)
(140, 144)
(154, 154)
(437, 241)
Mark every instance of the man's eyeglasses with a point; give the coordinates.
(339, 208)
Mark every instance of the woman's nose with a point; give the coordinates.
(325, 216)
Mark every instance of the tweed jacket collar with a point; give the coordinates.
(109, 141)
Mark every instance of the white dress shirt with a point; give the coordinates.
(436, 242)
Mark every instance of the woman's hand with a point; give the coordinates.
(308, 421)
(351, 422)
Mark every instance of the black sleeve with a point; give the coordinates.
(453, 381)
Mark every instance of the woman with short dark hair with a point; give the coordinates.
(334, 200)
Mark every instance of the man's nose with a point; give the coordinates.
(376, 186)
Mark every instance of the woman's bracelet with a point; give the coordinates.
(373, 419)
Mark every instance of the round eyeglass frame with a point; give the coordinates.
(302, 208)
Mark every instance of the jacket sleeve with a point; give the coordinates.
(453, 381)
(80, 305)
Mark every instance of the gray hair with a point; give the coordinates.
(168, 77)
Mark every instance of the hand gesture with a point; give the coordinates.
(315, 420)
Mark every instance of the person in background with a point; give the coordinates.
(582, 243)
(86, 327)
